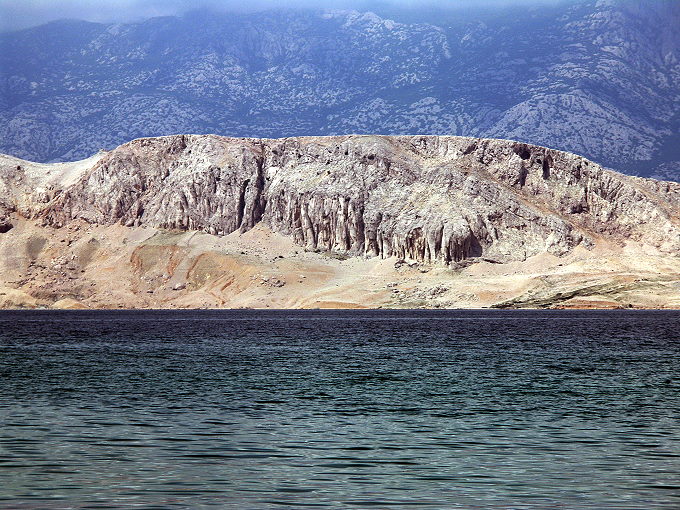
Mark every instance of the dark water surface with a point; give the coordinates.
(249, 409)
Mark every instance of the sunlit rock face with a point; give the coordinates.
(423, 198)
(600, 79)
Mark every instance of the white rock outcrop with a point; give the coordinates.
(424, 198)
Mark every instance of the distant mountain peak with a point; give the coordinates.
(600, 79)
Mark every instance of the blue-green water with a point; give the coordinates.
(249, 409)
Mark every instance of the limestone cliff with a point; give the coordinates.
(423, 198)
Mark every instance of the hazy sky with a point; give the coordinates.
(15, 14)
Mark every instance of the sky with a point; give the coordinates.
(17, 14)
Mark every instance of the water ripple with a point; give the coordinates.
(329, 409)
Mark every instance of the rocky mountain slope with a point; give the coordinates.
(598, 78)
(377, 203)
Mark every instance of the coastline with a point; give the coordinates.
(139, 268)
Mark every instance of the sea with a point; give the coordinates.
(247, 409)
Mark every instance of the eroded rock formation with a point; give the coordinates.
(425, 198)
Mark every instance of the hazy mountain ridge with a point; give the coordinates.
(599, 79)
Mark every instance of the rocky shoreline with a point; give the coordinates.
(426, 204)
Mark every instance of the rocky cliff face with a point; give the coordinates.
(424, 198)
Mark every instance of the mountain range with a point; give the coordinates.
(597, 78)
